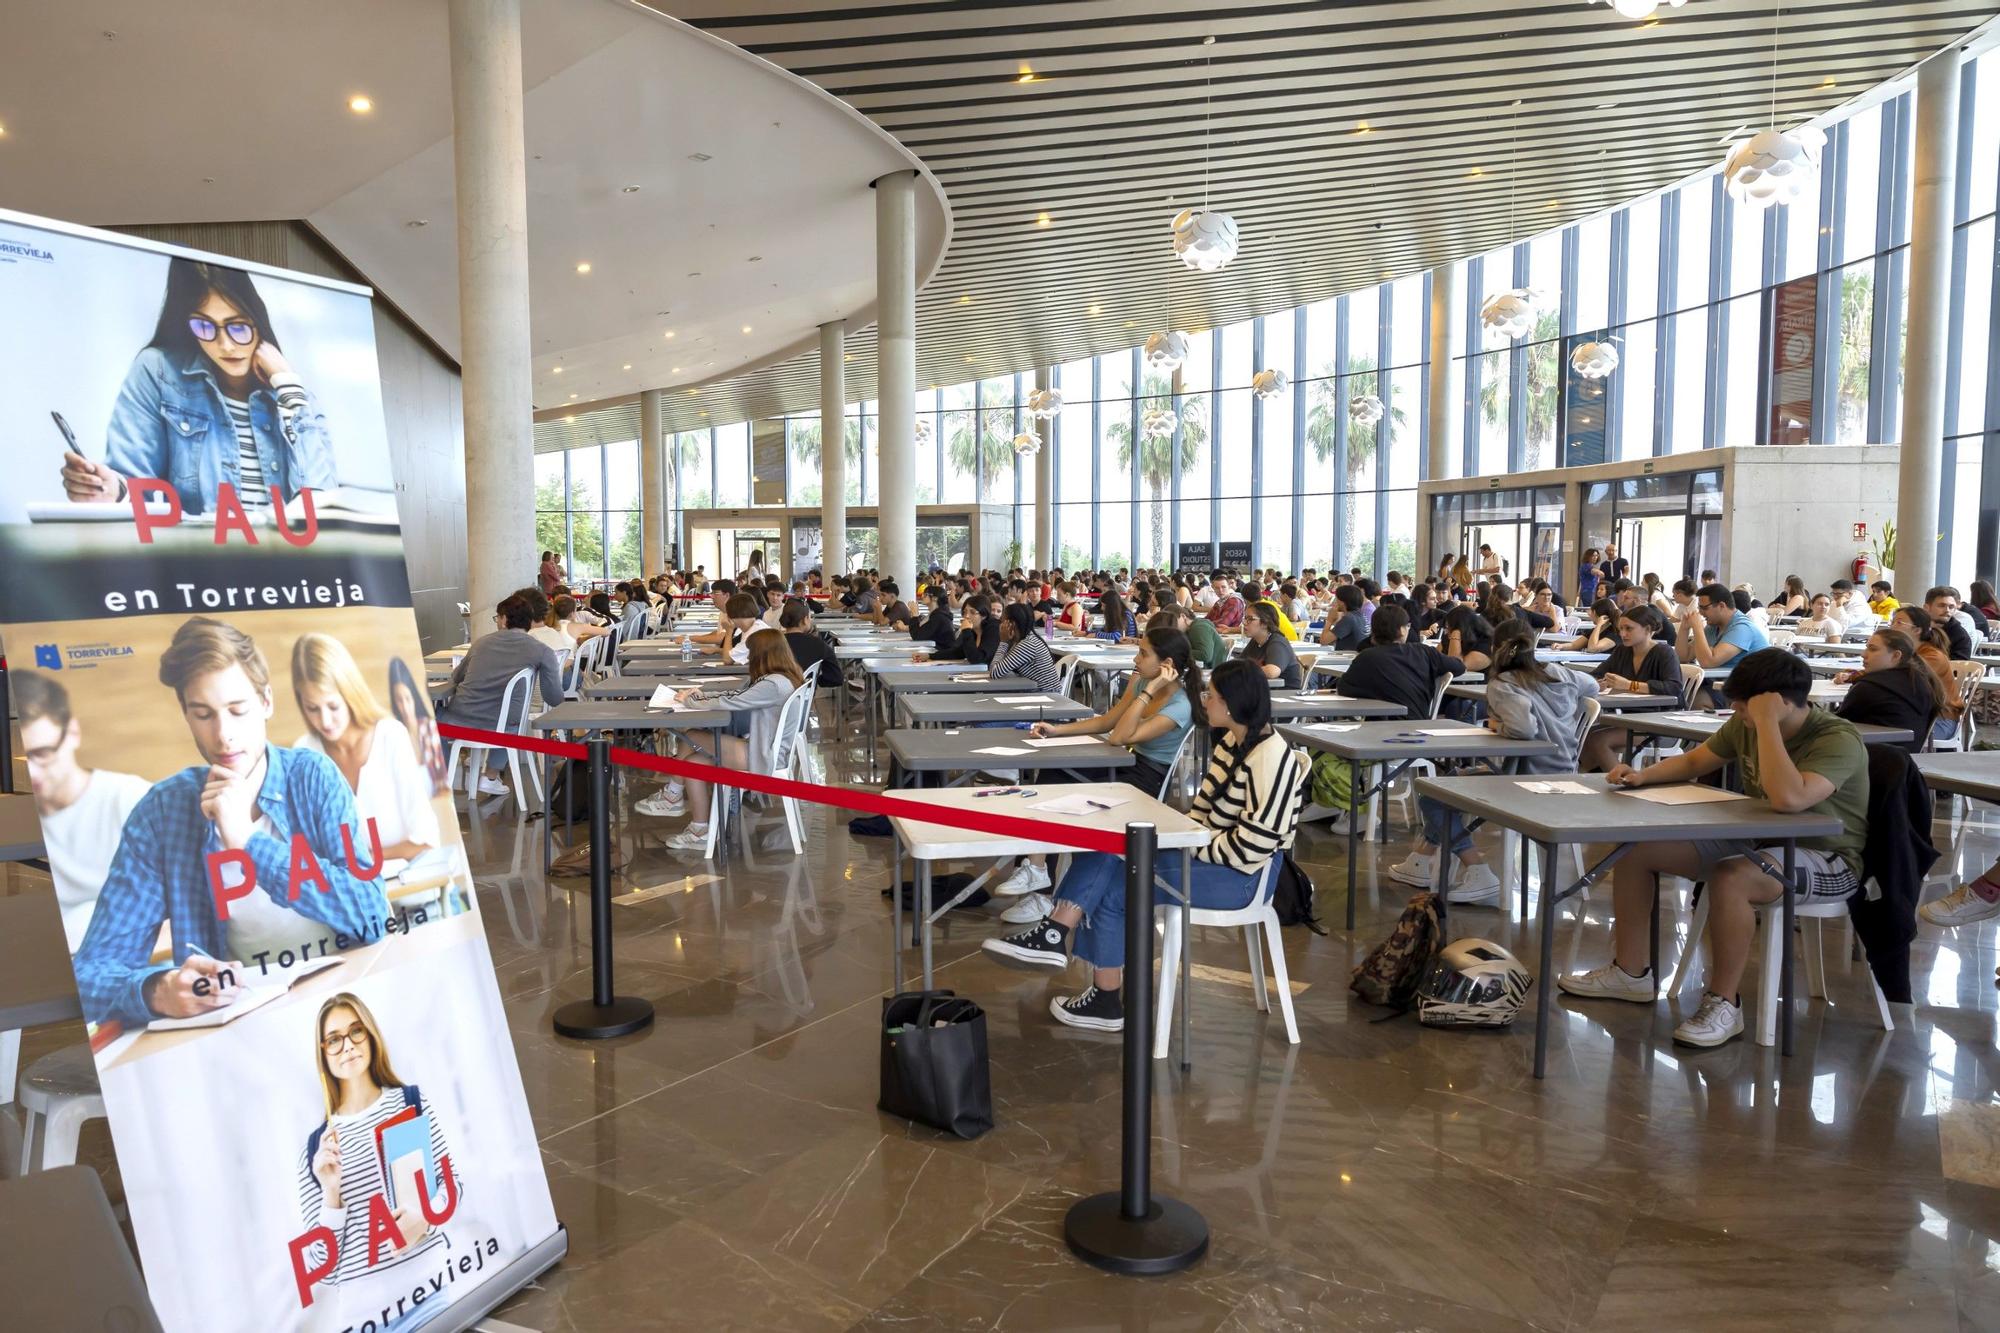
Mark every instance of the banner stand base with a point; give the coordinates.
(591, 1021)
(538, 1259)
(1171, 1236)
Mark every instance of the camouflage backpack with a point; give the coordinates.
(1390, 974)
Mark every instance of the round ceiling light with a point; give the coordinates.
(1204, 240)
(1157, 423)
(1166, 351)
(1365, 409)
(1594, 360)
(1045, 403)
(1774, 167)
(1269, 384)
(1510, 314)
(1027, 443)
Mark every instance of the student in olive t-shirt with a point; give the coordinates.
(1801, 759)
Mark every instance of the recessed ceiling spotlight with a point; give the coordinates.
(630, 189)
(1475, 173)
(1043, 220)
(965, 300)
(572, 395)
(668, 334)
(970, 360)
(569, 418)
(1363, 127)
(1131, 323)
(692, 392)
(847, 356)
(1096, 310)
(418, 222)
(1606, 106)
(584, 267)
(698, 157)
(746, 328)
(360, 104)
(628, 365)
(674, 370)
(558, 370)
(3, 131)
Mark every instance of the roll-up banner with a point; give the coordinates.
(206, 613)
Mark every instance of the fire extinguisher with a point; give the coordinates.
(1861, 570)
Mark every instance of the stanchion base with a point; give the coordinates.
(1172, 1236)
(594, 1022)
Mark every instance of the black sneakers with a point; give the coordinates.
(1040, 945)
(1099, 1010)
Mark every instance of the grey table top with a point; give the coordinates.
(1614, 816)
(1305, 705)
(932, 709)
(922, 680)
(627, 715)
(20, 826)
(64, 1262)
(1692, 726)
(673, 666)
(949, 750)
(1976, 774)
(1396, 741)
(36, 983)
(642, 686)
(1610, 703)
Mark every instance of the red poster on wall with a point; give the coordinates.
(1794, 336)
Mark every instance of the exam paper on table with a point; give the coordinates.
(1556, 788)
(1079, 805)
(1047, 741)
(1020, 698)
(1002, 749)
(1683, 794)
(1331, 726)
(965, 677)
(1441, 731)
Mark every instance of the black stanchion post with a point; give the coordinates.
(1134, 1230)
(604, 1014)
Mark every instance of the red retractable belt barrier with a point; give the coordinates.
(846, 798)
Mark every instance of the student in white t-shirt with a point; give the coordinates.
(83, 809)
(370, 748)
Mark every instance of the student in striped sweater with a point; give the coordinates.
(1250, 800)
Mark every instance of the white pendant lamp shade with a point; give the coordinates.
(1205, 241)
(1157, 423)
(1774, 167)
(1045, 403)
(1166, 351)
(1027, 443)
(1642, 9)
(922, 434)
(1269, 384)
(1594, 360)
(1365, 409)
(1510, 314)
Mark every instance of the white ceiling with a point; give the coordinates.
(118, 113)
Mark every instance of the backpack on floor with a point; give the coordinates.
(1292, 895)
(1333, 783)
(1391, 972)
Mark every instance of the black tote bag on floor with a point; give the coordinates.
(934, 1062)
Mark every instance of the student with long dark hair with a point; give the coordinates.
(1640, 664)
(978, 641)
(1249, 800)
(1893, 688)
(1468, 636)
(210, 399)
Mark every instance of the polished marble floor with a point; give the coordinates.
(727, 1169)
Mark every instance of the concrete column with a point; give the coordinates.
(497, 379)
(652, 486)
(896, 373)
(833, 449)
(1045, 484)
(1446, 408)
(1933, 179)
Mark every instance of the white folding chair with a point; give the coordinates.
(515, 707)
(1510, 841)
(788, 744)
(1812, 915)
(1258, 915)
(1066, 673)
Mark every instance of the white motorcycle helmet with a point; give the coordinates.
(1472, 983)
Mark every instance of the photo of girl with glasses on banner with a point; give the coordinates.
(211, 398)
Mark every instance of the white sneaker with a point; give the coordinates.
(689, 839)
(1610, 982)
(661, 805)
(1030, 909)
(1473, 885)
(1716, 1021)
(1420, 869)
(1027, 878)
(1960, 907)
(490, 785)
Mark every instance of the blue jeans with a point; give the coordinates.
(1096, 883)
(1434, 813)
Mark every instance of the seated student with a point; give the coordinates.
(1797, 757)
(868, 602)
(544, 627)
(741, 621)
(1119, 622)
(1748, 605)
(1983, 604)
(1525, 700)
(1721, 633)
(1468, 636)
(1931, 651)
(1152, 716)
(1850, 607)
(1204, 643)
(1942, 604)
(1541, 609)
(479, 681)
(795, 622)
(978, 641)
(1024, 653)
(892, 610)
(1426, 610)
(1249, 801)
(939, 626)
(774, 608)
(1792, 601)
(1268, 649)
(1394, 668)
(718, 639)
(567, 616)
(1602, 636)
(1640, 664)
(1226, 613)
(753, 727)
(1881, 598)
(1819, 621)
(1344, 630)
(1072, 616)
(1894, 688)
(1294, 603)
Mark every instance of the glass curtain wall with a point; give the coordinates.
(1150, 465)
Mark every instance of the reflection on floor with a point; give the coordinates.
(728, 1170)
